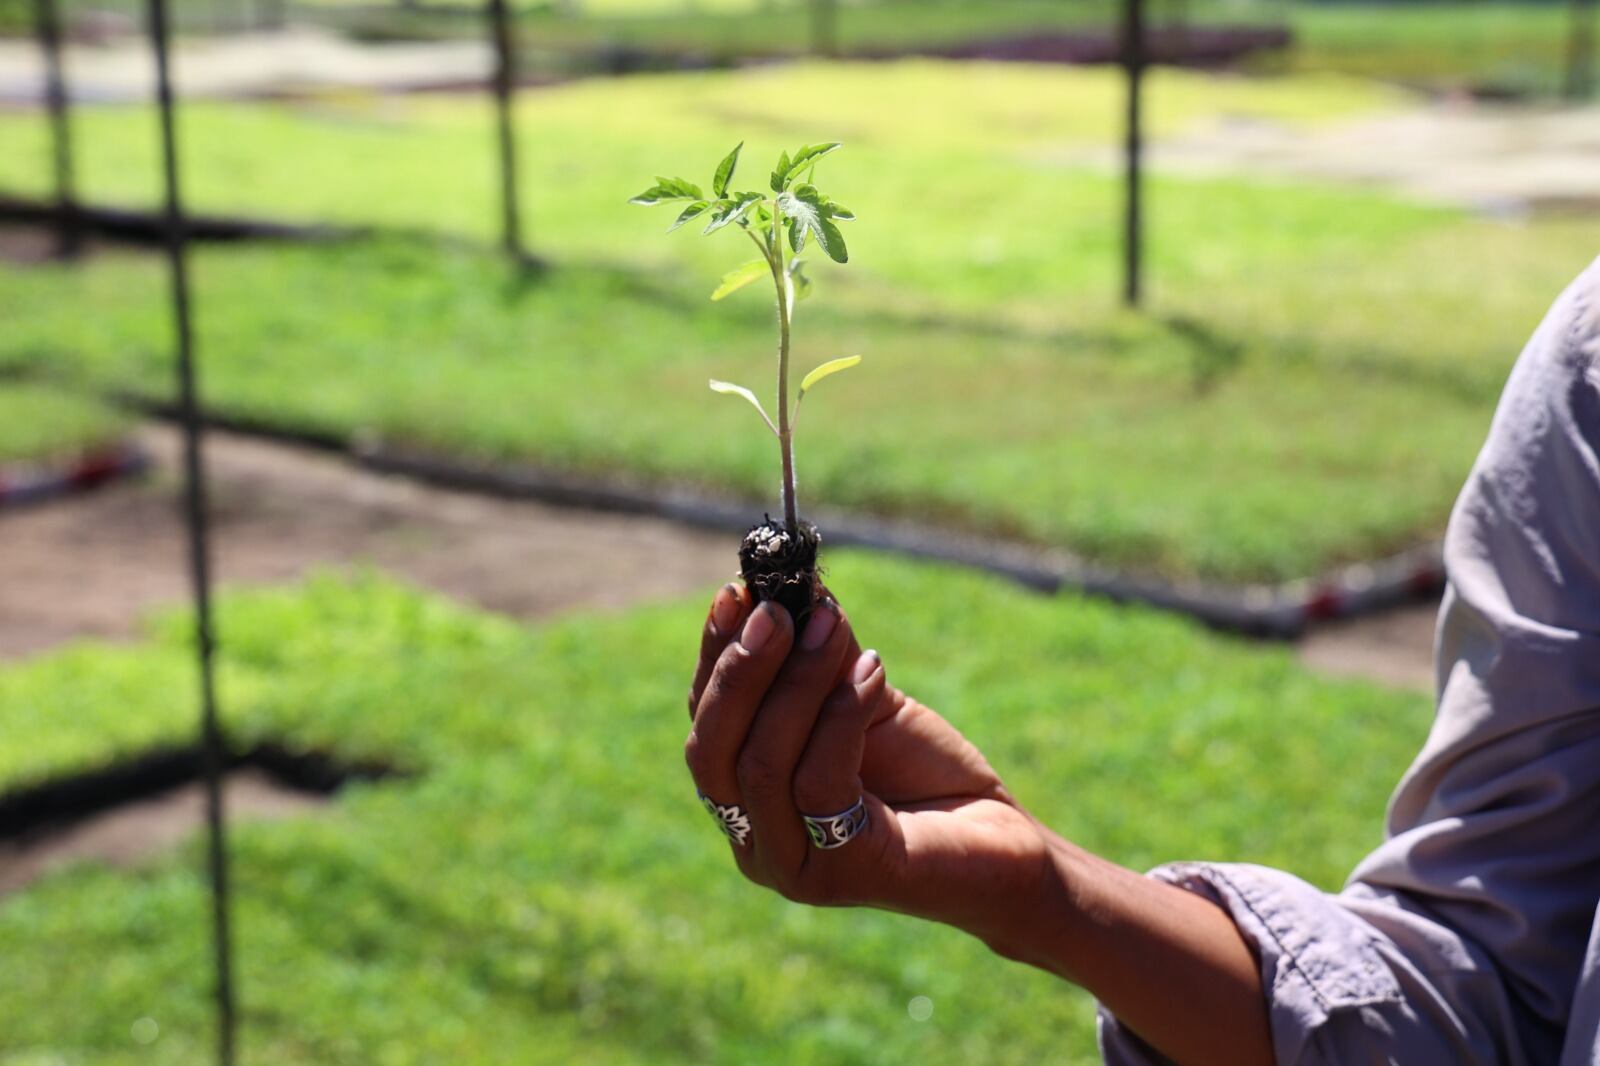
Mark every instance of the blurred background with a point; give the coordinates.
(1147, 503)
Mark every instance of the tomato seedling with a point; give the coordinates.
(779, 562)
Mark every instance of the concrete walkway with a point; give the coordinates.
(1496, 158)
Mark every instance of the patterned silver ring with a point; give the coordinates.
(837, 830)
(732, 819)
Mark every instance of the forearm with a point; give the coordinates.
(1170, 964)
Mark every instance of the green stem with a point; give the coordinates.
(791, 510)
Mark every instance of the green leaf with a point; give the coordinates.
(739, 277)
(804, 206)
(797, 235)
(838, 211)
(780, 173)
(832, 366)
(689, 212)
(832, 240)
(730, 389)
(805, 159)
(719, 184)
(732, 211)
(666, 189)
(797, 275)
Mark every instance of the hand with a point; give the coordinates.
(785, 725)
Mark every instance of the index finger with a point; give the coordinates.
(728, 609)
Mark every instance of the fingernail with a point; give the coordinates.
(820, 628)
(758, 628)
(864, 666)
(725, 609)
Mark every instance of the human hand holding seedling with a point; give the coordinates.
(779, 562)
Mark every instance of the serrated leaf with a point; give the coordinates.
(832, 366)
(730, 389)
(831, 239)
(809, 155)
(735, 210)
(739, 277)
(666, 189)
(719, 184)
(692, 211)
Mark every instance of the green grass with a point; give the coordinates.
(932, 129)
(1142, 444)
(544, 888)
(1310, 387)
(1519, 48)
(40, 423)
(1487, 44)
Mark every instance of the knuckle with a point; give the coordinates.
(814, 791)
(757, 773)
(694, 755)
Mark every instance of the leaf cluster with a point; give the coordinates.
(796, 211)
(795, 206)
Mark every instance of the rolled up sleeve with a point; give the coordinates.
(1339, 988)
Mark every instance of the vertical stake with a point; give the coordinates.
(198, 535)
(69, 234)
(1580, 51)
(504, 84)
(1133, 61)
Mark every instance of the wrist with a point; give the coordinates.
(1027, 925)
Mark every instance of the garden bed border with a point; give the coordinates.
(1281, 611)
(24, 482)
(42, 806)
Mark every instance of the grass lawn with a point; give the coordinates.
(1219, 444)
(1489, 44)
(919, 134)
(544, 888)
(38, 422)
(1311, 387)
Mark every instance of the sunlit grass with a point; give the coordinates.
(545, 889)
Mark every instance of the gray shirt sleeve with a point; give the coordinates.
(1472, 934)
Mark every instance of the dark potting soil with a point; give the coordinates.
(782, 566)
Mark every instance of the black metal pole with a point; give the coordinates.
(195, 513)
(69, 234)
(504, 86)
(1133, 60)
(824, 27)
(1580, 50)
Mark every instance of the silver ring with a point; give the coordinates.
(837, 830)
(732, 819)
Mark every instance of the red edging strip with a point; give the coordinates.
(24, 482)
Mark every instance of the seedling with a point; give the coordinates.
(779, 562)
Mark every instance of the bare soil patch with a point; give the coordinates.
(91, 565)
(1394, 648)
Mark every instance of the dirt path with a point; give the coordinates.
(91, 565)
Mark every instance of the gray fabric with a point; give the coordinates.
(1472, 934)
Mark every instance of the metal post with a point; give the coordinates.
(504, 85)
(1133, 59)
(1580, 51)
(199, 544)
(69, 234)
